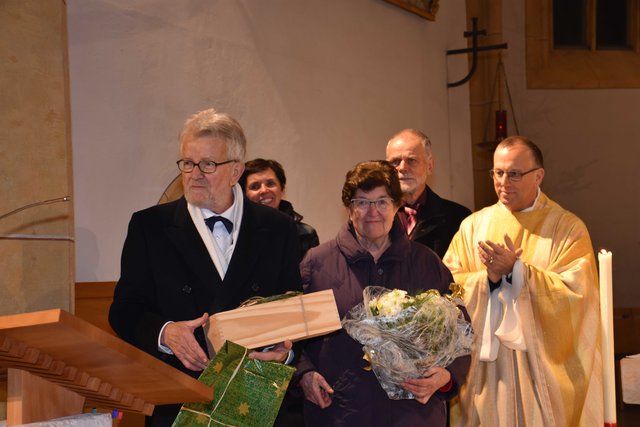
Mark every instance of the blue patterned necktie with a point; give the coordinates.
(211, 221)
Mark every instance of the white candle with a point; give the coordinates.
(606, 322)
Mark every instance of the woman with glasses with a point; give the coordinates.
(371, 249)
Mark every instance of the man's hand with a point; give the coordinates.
(498, 258)
(178, 336)
(316, 389)
(278, 353)
(423, 388)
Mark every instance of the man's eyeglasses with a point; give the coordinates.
(206, 166)
(383, 204)
(512, 175)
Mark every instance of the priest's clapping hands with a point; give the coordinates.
(498, 258)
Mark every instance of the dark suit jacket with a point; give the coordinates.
(167, 274)
(437, 222)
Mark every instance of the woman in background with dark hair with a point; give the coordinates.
(263, 181)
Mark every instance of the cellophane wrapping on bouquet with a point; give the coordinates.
(247, 392)
(403, 336)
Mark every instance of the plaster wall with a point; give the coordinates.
(318, 86)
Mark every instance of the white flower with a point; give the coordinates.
(391, 303)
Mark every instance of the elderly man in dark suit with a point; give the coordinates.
(427, 218)
(204, 253)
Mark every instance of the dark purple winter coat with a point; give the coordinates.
(344, 266)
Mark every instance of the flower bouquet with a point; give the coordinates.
(403, 336)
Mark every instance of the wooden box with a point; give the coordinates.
(295, 318)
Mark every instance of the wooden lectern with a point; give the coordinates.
(57, 364)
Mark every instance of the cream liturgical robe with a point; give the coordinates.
(536, 360)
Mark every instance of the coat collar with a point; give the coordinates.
(249, 247)
(354, 252)
(432, 207)
(182, 232)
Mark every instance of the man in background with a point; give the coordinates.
(530, 286)
(207, 252)
(427, 218)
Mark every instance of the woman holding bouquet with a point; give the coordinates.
(371, 249)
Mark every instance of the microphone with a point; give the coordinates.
(33, 205)
(35, 236)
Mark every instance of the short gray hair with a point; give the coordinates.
(218, 125)
(424, 139)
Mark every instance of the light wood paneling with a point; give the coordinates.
(35, 399)
(626, 330)
(78, 356)
(93, 300)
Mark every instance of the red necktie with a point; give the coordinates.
(411, 219)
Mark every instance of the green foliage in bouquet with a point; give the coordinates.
(426, 313)
(247, 392)
(403, 335)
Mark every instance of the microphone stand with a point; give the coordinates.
(35, 236)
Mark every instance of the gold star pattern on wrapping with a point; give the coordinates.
(217, 368)
(282, 388)
(243, 409)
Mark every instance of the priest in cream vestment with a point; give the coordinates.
(528, 271)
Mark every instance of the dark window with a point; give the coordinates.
(575, 21)
(570, 24)
(612, 18)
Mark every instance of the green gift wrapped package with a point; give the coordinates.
(247, 392)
